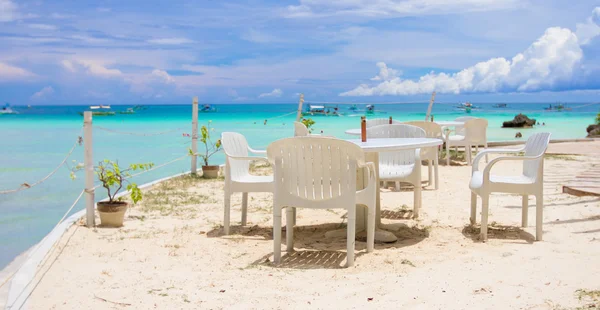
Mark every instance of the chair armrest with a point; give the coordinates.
(492, 151)
(370, 169)
(488, 167)
(249, 158)
(257, 151)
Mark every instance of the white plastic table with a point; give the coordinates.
(372, 148)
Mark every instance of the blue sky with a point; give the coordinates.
(80, 52)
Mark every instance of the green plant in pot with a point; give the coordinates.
(113, 179)
(210, 148)
(308, 122)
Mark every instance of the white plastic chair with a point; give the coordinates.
(530, 182)
(432, 130)
(475, 134)
(380, 121)
(400, 166)
(237, 173)
(320, 173)
(460, 130)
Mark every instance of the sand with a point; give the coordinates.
(171, 253)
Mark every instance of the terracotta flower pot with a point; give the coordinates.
(112, 214)
(210, 172)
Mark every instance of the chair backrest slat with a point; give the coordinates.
(322, 168)
(405, 157)
(460, 130)
(235, 144)
(300, 130)
(476, 130)
(536, 145)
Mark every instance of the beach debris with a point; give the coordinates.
(518, 135)
(520, 121)
(369, 298)
(112, 302)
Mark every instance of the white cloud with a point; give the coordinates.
(163, 76)
(256, 36)
(275, 93)
(42, 26)
(550, 63)
(170, 41)
(590, 29)
(60, 16)
(393, 8)
(91, 67)
(385, 73)
(12, 73)
(43, 93)
(8, 11)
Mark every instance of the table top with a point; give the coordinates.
(356, 131)
(450, 123)
(395, 144)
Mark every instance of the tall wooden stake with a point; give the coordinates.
(430, 106)
(194, 135)
(300, 102)
(89, 168)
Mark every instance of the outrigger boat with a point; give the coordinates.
(354, 107)
(321, 110)
(559, 108)
(96, 107)
(100, 113)
(467, 107)
(7, 110)
(128, 111)
(207, 109)
(500, 105)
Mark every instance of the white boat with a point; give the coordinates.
(7, 110)
(314, 110)
(95, 107)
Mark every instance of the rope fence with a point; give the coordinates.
(136, 133)
(26, 185)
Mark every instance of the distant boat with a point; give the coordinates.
(321, 110)
(467, 107)
(370, 109)
(100, 113)
(208, 109)
(500, 105)
(354, 107)
(140, 107)
(559, 107)
(128, 111)
(7, 110)
(95, 107)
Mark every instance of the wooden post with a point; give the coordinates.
(89, 168)
(430, 106)
(300, 102)
(194, 135)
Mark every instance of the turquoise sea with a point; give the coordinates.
(33, 142)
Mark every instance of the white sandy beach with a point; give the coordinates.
(171, 253)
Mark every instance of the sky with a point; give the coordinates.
(157, 52)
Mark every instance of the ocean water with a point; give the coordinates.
(34, 141)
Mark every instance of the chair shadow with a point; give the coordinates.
(588, 231)
(307, 259)
(501, 232)
(397, 215)
(247, 231)
(587, 219)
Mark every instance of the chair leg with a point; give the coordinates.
(351, 236)
(447, 155)
(371, 227)
(244, 208)
(294, 216)
(289, 228)
(484, 216)
(227, 213)
(276, 234)
(473, 217)
(524, 210)
(539, 216)
(429, 172)
(397, 186)
(468, 151)
(436, 171)
(486, 156)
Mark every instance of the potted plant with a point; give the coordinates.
(113, 178)
(308, 122)
(210, 148)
